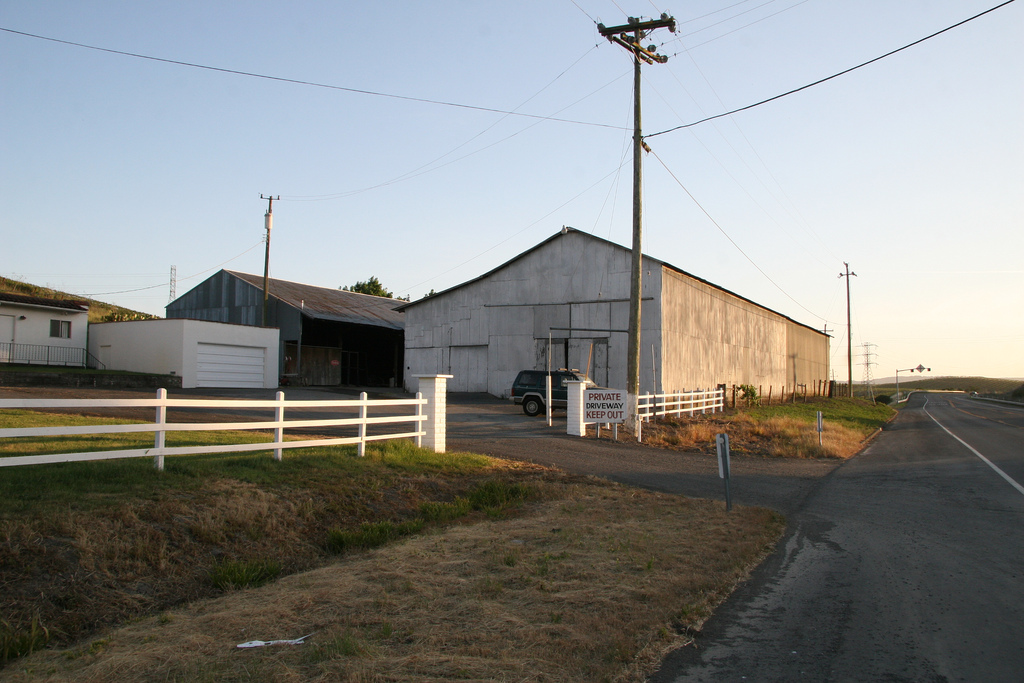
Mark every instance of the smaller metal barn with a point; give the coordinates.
(328, 337)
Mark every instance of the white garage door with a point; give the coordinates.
(225, 365)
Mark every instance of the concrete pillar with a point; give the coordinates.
(574, 420)
(435, 389)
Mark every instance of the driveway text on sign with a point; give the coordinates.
(604, 405)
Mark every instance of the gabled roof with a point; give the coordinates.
(43, 302)
(568, 230)
(324, 303)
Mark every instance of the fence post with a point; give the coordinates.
(161, 418)
(574, 424)
(362, 424)
(435, 390)
(419, 423)
(279, 429)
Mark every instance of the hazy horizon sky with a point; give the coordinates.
(116, 168)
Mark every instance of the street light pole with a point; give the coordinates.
(919, 368)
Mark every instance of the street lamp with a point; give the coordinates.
(919, 368)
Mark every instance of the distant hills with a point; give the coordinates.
(982, 385)
(98, 311)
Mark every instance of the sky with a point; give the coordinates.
(426, 143)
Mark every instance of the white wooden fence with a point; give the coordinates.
(422, 412)
(680, 403)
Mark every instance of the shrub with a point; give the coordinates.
(494, 496)
(884, 399)
(244, 574)
(17, 642)
(371, 535)
(748, 392)
(445, 512)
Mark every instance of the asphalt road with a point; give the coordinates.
(906, 564)
(483, 424)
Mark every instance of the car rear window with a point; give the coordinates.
(530, 379)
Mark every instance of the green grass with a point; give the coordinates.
(108, 483)
(371, 535)
(856, 414)
(244, 574)
(492, 497)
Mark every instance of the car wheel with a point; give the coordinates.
(533, 406)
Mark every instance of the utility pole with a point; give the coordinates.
(630, 36)
(268, 220)
(849, 338)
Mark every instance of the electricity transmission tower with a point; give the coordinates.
(869, 360)
(174, 284)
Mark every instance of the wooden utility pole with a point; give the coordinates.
(630, 36)
(849, 337)
(268, 221)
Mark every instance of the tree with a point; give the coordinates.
(371, 286)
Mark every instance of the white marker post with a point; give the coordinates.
(722, 444)
(821, 427)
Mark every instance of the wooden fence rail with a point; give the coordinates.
(680, 403)
(420, 405)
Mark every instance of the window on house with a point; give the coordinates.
(60, 329)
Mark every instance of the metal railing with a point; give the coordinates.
(40, 354)
(680, 403)
(160, 426)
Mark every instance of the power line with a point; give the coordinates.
(428, 167)
(312, 84)
(835, 75)
(516, 234)
(731, 240)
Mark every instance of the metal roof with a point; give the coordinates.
(566, 231)
(65, 304)
(324, 303)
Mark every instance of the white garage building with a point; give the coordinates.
(202, 353)
(567, 299)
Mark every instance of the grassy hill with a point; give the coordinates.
(982, 385)
(98, 311)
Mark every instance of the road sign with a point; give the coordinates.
(604, 406)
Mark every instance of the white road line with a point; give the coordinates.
(971, 448)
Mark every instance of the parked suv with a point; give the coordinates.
(528, 388)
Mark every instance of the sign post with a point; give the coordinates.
(821, 427)
(722, 445)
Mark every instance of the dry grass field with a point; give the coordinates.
(404, 566)
(583, 581)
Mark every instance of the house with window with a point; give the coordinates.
(39, 331)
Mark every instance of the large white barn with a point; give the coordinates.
(567, 300)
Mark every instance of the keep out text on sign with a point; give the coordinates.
(604, 405)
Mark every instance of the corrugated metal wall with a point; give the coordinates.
(694, 335)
